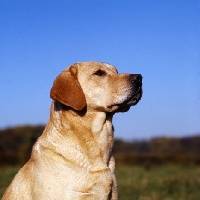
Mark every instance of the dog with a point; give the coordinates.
(72, 159)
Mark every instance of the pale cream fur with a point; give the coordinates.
(72, 160)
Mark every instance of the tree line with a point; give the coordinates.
(16, 144)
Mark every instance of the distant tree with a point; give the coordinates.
(16, 143)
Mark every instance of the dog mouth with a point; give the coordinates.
(131, 101)
(135, 98)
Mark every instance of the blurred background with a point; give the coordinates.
(158, 39)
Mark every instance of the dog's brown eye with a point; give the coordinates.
(100, 73)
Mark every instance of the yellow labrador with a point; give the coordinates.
(73, 157)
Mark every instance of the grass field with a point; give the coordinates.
(136, 183)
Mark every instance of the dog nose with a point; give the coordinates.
(136, 77)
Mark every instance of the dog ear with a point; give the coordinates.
(67, 90)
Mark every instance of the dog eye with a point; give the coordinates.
(100, 73)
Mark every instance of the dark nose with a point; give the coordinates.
(136, 78)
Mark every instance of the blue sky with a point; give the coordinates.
(159, 39)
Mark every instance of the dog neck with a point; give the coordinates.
(92, 130)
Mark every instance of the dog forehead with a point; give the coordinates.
(111, 67)
(85, 66)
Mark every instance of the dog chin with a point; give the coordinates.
(123, 108)
(132, 102)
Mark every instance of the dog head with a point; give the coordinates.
(98, 86)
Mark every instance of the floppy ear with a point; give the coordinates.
(67, 90)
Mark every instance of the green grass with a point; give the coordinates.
(6, 176)
(159, 183)
(136, 183)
